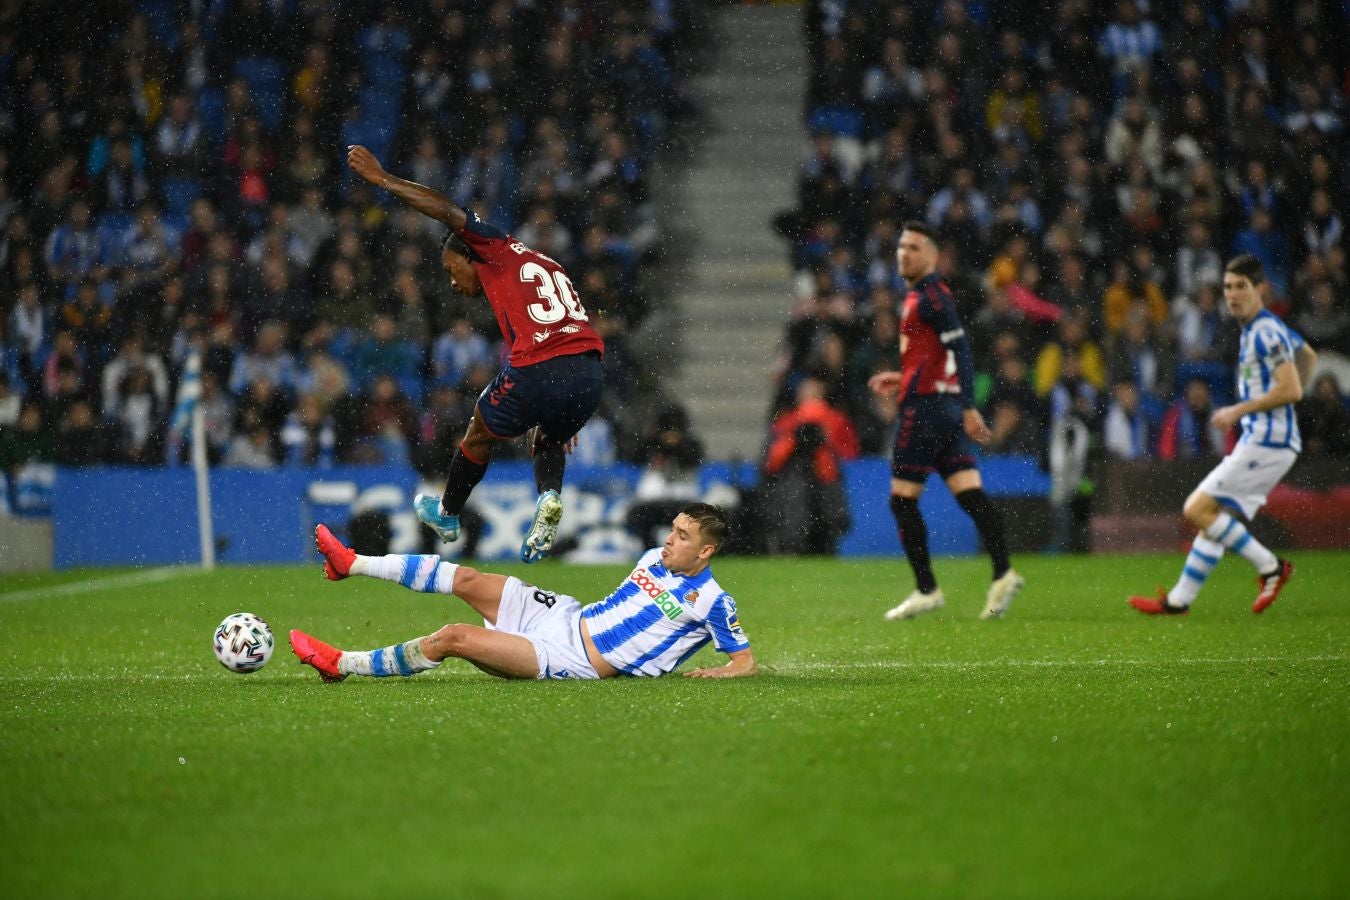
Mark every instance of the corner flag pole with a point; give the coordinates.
(201, 470)
(188, 413)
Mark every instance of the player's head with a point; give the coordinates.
(917, 254)
(457, 259)
(695, 535)
(1242, 280)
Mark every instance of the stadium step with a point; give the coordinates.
(735, 288)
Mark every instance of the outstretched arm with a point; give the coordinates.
(428, 202)
(741, 663)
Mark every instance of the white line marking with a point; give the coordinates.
(128, 579)
(884, 664)
(771, 669)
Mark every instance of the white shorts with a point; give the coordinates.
(1246, 476)
(549, 621)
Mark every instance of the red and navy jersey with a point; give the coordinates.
(935, 355)
(537, 307)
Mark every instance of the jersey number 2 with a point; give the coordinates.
(555, 289)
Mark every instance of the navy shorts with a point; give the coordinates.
(558, 394)
(931, 438)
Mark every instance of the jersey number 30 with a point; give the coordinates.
(555, 289)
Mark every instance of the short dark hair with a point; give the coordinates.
(712, 523)
(455, 244)
(922, 228)
(1247, 266)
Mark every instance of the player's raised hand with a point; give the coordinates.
(886, 384)
(975, 427)
(363, 163)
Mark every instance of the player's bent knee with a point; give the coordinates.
(1200, 509)
(451, 640)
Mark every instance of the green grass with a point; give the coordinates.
(1074, 749)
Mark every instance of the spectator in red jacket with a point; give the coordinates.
(841, 439)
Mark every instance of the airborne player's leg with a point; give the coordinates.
(567, 392)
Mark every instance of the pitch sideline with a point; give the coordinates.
(94, 585)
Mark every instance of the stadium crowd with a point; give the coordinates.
(1089, 168)
(174, 178)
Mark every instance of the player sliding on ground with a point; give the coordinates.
(1273, 363)
(552, 381)
(667, 608)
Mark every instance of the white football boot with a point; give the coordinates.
(1001, 594)
(916, 604)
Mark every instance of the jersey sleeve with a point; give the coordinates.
(725, 625)
(1273, 347)
(938, 309)
(483, 238)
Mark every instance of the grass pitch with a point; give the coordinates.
(1074, 749)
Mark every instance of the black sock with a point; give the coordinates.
(914, 538)
(989, 524)
(460, 481)
(549, 462)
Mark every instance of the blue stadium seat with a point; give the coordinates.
(211, 110)
(179, 193)
(841, 121)
(266, 77)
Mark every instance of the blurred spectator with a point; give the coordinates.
(803, 474)
(1014, 411)
(1323, 419)
(457, 350)
(1071, 337)
(29, 441)
(309, 436)
(1186, 430)
(671, 455)
(1126, 428)
(81, 439)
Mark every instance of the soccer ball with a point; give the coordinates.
(243, 643)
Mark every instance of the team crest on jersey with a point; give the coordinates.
(691, 598)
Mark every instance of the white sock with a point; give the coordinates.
(400, 659)
(1204, 556)
(416, 572)
(1234, 535)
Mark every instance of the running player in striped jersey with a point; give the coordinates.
(552, 382)
(1272, 365)
(668, 608)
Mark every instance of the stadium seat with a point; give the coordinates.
(179, 193)
(266, 77)
(211, 111)
(841, 121)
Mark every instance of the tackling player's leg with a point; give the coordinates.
(424, 573)
(495, 652)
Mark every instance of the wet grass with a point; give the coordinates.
(1073, 749)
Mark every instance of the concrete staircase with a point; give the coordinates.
(732, 290)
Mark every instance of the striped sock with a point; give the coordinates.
(1234, 535)
(400, 659)
(416, 572)
(1204, 556)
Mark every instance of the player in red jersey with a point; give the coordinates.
(552, 380)
(938, 424)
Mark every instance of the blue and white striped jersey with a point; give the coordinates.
(656, 619)
(1265, 345)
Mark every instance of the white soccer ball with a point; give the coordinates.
(243, 643)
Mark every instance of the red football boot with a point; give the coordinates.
(314, 652)
(1158, 606)
(337, 557)
(1271, 585)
